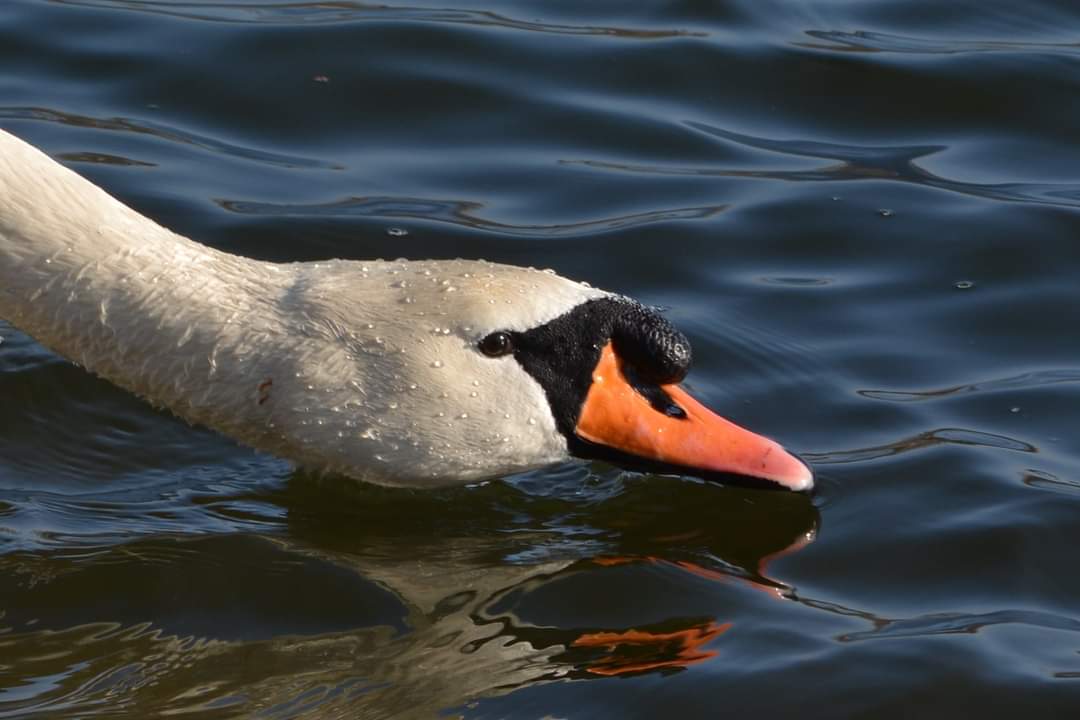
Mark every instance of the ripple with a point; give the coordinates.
(797, 282)
(20, 353)
(163, 132)
(854, 162)
(102, 159)
(463, 213)
(179, 505)
(961, 623)
(343, 11)
(1027, 380)
(877, 42)
(942, 436)
(1048, 481)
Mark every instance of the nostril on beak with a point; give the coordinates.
(657, 397)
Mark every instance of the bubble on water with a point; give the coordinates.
(474, 394)
(413, 386)
(476, 383)
(963, 284)
(463, 416)
(396, 232)
(436, 364)
(440, 414)
(370, 326)
(370, 434)
(1014, 409)
(392, 406)
(532, 421)
(885, 212)
(506, 416)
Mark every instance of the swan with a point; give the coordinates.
(406, 373)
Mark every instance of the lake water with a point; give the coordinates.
(866, 216)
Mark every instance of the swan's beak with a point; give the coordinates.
(618, 416)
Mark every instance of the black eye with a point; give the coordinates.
(497, 344)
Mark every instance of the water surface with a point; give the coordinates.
(863, 214)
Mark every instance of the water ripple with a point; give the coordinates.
(342, 11)
(1016, 382)
(102, 159)
(855, 162)
(1048, 481)
(163, 132)
(961, 623)
(461, 212)
(876, 42)
(941, 436)
(942, 623)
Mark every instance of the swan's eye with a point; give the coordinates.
(497, 344)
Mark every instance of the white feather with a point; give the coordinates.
(368, 369)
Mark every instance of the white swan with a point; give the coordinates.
(400, 373)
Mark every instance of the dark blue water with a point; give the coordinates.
(865, 216)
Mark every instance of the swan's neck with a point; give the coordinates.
(372, 374)
(116, 292)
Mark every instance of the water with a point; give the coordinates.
(863, 214)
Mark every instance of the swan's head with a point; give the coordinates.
(426, 373)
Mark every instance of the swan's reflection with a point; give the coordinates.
(300, 621)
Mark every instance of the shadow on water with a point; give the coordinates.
(408, 603)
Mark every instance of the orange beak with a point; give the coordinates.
(618, 416)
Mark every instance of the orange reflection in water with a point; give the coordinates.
(635, 651)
